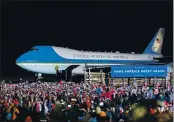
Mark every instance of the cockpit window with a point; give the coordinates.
(34, 49)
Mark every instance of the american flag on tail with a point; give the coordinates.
(158, 40)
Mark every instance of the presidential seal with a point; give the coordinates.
(56, 68)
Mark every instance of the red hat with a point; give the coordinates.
(15, 102)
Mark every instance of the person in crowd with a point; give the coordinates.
(82, 102)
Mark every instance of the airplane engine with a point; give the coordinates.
(78, 70)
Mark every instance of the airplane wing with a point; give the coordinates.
(164, 57)
(81, 69)
(78, 70)
(164, 60)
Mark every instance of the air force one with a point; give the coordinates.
(49, 59)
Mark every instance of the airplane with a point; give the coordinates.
(50, 59)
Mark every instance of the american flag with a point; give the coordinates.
(158, 40)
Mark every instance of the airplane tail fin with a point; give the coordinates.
(155, 46)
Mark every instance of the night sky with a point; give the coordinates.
(94, 26)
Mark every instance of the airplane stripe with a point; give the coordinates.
(59, 64)
(48, 63)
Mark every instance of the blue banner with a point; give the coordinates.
(139, 71)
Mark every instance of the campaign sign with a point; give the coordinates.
(139, 71)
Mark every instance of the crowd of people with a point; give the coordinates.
(84, 102)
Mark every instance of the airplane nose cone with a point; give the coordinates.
(18, 61)
(21, 59)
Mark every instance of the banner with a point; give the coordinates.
(139, 71)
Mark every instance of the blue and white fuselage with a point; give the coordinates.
(44, 59)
